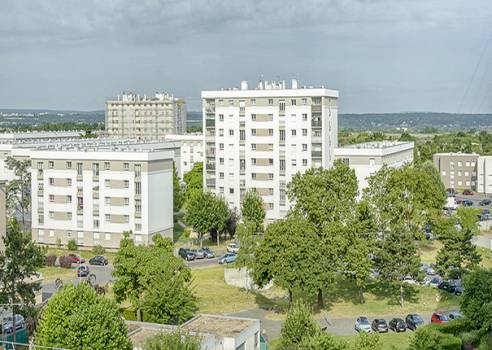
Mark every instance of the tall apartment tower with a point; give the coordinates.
(145, 118)
(260, 138)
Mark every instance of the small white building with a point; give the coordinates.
(191, 150)
(367, 158)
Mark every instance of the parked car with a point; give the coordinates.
(485, 211)
(83, 271)
(453, 315)
(438, 317)
(7, 325)
(432, 281)
(362, 325)
(379, 325)
(427, 269)
(98, 260)
(485, 201)
(186, 254)
(413, 321)
(228, 258)
(199, 253)
(451, 287)
(468, 193)
(397, 325)
(467, 203)
(232, 248)
(209, 253)
(451, 192)
(76, 259)
(485, 217)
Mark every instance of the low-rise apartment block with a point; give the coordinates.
(367, 158)
(457, 170)
(94, 191)
(259, 138)
(191, 150)
(145, 118)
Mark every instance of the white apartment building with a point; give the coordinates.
(145, 118)
(94, 191)
(367, 158)
(484, 171)
(260, 138)
(191, 150)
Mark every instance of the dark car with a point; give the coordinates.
(76, 259)
(485, 211)
(467, 202)
(186, 254)
(379, 325)
(485, 201)
(98, 260)
(451, 192)
(397, 325)
(468, 193)
(413, 321)
(439, 318)
(452, 288)
(83, 271)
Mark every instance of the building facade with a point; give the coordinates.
(260, 138)
(93, 193)
(484, 172)
(367, 158)
(191, 150)
(145, 118)
(457, 170)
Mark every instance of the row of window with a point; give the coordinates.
(293, 101)
(254, 117)
(460, 163)
(451, 173)
(95, 167)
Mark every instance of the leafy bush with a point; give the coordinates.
(72, 244)
(430, 338)
(455, 326)
(172, 341)
(98, 250)
(65, 262)
(298, 327)
(50, 260)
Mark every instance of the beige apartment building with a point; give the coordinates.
(457, 170)
(145, 118)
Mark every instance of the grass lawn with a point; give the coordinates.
(51, 273)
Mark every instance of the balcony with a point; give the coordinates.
(316, 154)
(316, 123)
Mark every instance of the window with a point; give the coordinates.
(459, 172)
(346, 161)
(69, 234)
(40, 219)
(460, 164)
(304, 101)
(107, 217)
(52, 181)
(40, 165)
(304, 147)
(138, 206)
(293, 102)
(107, 166)
(51, 164)
(95, 223)
(221, 117)
(138, 169)
(253, 176)
(282, 164)
(304, 162)
(270, 176)
(221, 161)
(282, 135)
(138, 188)
(282, 106)
(221, 175)
(270, 101)
(304, 132)
(372, 161)
(221, 189)
(52, 214)
(138, 227)
(95, 169)
(126, 218)
(304, 117)
(69, 165)
(52, 233)
(242, 135)
(52, 198)
(231, 102)
(293, 131)
(231, 132)
(253, 102)
(41, 233)
(253, 132)
(472, 164)
(253, 146)
(270, 206)
(294, 162)
(107, 200)
(96, 236)
(79, 169)
(221, 132)
(231, 190)
(69, 199)
(127, 201)
(221, 146)
(253, 117)
(467, 163)
(126, 166)
(69, 216)
(107, 236)
(467, 173)
(40, 186)
(253, 161)
(126, 183)
(443, 173)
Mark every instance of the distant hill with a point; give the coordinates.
(389, 122)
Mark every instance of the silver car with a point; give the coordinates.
(199, 253)
(362, 324)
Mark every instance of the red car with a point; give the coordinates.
(76, 259)
(468, 193)
(439, 318)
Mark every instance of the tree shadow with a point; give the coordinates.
(391, 292)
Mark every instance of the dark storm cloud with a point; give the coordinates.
(383, 55)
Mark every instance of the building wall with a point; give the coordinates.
(259, 139)
(191, 151)
(484, 172)
(457, 170)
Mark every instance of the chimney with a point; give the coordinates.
(244, 85)
(294, 83)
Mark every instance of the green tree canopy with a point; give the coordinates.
(19, 189)
(79, 318)
(252, 209)
(298, 327)
(476, 302)
(173, 341)
(194, 180)
(178, 192)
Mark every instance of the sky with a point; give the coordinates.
(382, 55)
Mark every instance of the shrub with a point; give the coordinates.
(298, 326)
(98, 250)
(58, 242)
(430, 338)
(50, 260)
(175, 340)
(65, 262)
(72, 244)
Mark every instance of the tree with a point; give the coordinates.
(178, 193)
(154, 281)
(248, 240)
(458, 254)
(194, 180)
(288, 255)
(19, 190)
(323, 341)
(18, 264)
(172, 341)
(368, 342)
(430, 338)
(207, 212)
(252, 209)
(298, 327)
(476, 302)
(78, 318)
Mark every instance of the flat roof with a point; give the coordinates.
(223, 326)
(374, 148)
(459, 154)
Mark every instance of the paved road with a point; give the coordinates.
(484, 241)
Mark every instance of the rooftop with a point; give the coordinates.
(130, 96)
(105, 145)
(222, 326)
(377, 144)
